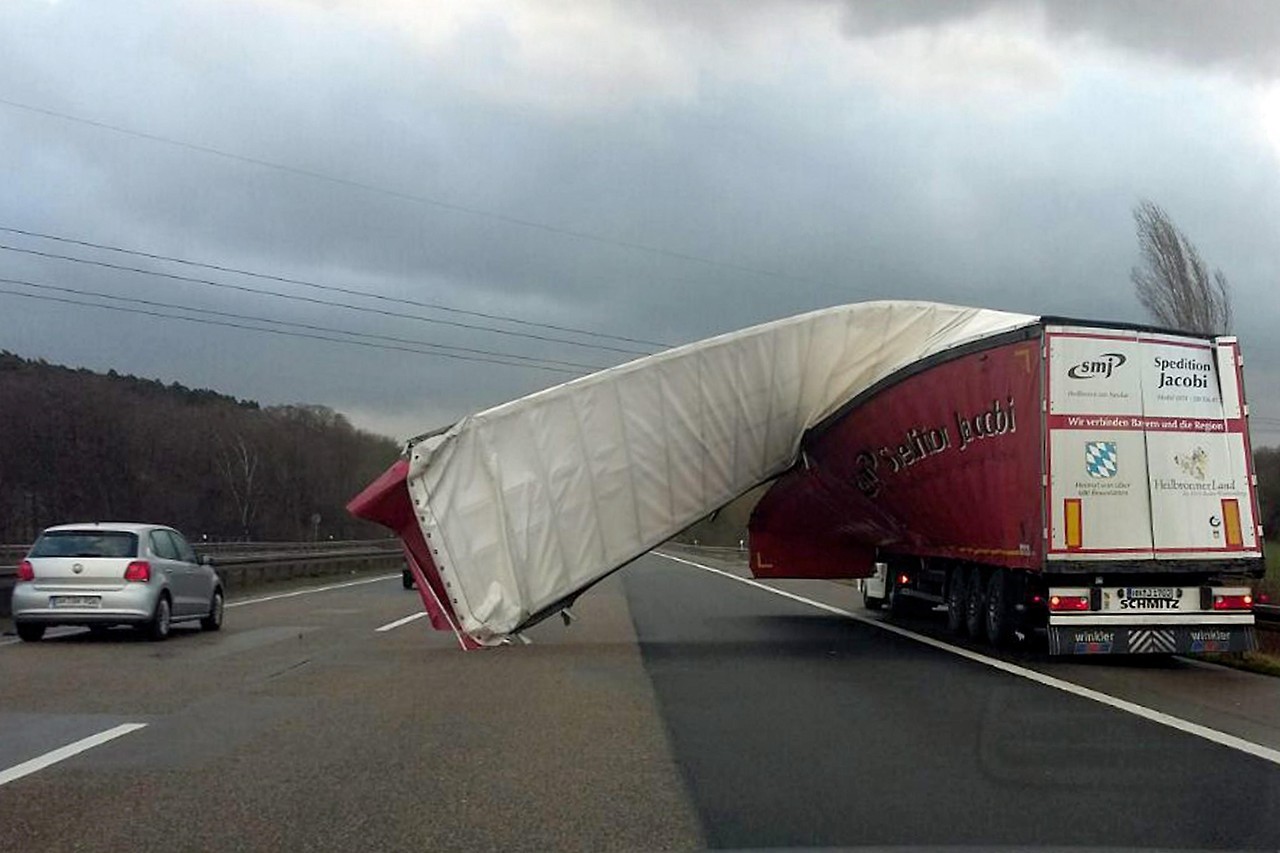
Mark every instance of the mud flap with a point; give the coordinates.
(1150, 639)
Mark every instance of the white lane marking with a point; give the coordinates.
(1222, 738)
(310, 590)
(62, 753)
(405, 621)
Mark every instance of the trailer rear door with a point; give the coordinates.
(1202, 495)
(1147, 451)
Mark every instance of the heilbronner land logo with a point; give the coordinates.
(1194, 464)
(1100, 459)
(1097, 368)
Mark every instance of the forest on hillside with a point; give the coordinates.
(76, 445)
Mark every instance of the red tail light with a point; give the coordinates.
(903, 580)
(25, 571)
(138, 570)
(1068, 602)
(1232, 602)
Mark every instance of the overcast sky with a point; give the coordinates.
(655, 170)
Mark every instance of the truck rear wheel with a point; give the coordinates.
(975, 605)
(999, 609)
(957, 600)
(900, 604)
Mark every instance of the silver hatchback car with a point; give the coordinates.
(103, 574)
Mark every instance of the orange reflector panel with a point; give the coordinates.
(1231, 523)
(1073, 522)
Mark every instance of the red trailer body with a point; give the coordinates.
(943, 463)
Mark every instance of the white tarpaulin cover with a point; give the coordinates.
(528, 502)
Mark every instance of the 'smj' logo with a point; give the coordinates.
(1102, 366)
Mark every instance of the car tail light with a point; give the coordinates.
(26, 572)
(903, 580)
(1232, 602)
(1068, 602)
(138, 570)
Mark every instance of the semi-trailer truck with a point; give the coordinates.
(1089, 480)
(1092, 482)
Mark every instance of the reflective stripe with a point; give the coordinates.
(1072, 522)
(1231, 522)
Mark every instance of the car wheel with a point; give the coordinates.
(161, 620)
(29, 632)
(957, 600)
(975, 611)
(213, 622)
(406, 578)
(999, 616)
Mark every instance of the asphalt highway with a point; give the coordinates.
(682, 709)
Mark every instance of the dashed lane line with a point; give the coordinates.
(62, 753)
(391, 626)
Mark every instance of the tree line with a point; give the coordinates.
(76, 445)
(1266, 462)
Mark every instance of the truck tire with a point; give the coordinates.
(899, 604)
(999, 609)
(957, 600)
(975, 610)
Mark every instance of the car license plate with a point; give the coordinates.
(75, 601)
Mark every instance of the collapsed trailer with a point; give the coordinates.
(1087, 480)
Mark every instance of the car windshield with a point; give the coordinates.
(86, 543)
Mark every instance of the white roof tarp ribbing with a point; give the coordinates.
(533, 500)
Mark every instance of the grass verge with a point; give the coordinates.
(1259, 662)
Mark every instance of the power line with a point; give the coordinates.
(290, 323)
(413, 197)
(281, 332)
(332, 288)
(295, 297)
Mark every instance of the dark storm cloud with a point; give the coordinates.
(1242, 35)
(798, 189)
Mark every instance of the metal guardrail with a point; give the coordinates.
(229, 553)
(239, 569)
(1267, 615)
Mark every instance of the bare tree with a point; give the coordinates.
(1173, 283)
(237, 459)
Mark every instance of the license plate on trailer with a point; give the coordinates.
(1149, 599)
(1154, 592)
(60, 601)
